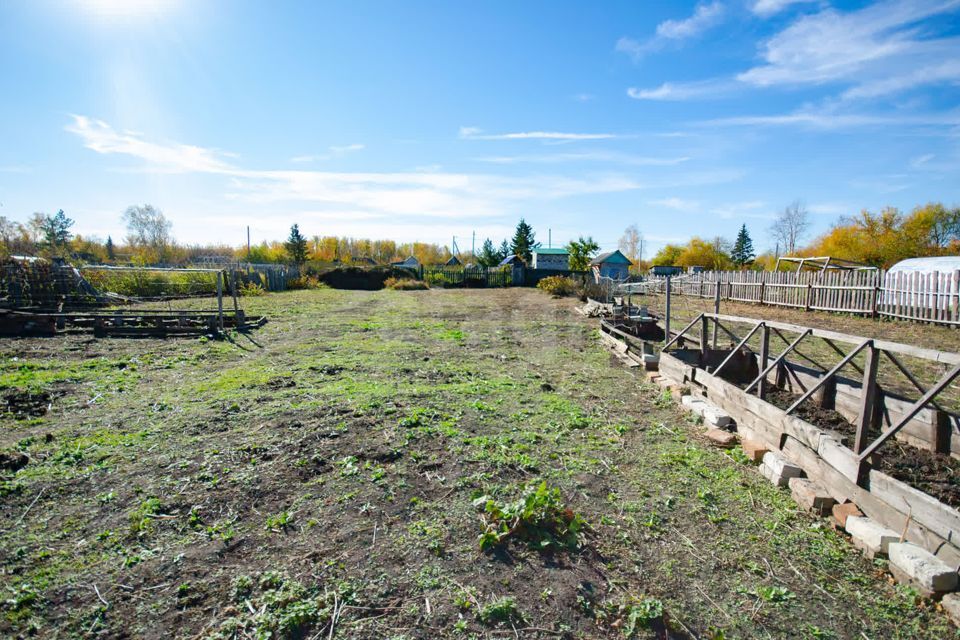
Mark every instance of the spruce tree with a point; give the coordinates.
(111, 252)
(504, 251)
(296, 246)
(489, 257)
(524, 241)
(742, 254)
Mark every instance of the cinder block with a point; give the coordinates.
(755, 450)
(870, 536)
(917, 566)
(781, 466)
(951, 604)
(716, 416)
(721, 438)
(843, 511)
(695, 405)
(811, 496)
(772, 476)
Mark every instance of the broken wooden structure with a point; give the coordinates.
(739, 377)
(126, 323)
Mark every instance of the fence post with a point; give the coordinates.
(806, 305)
(716, 310)
(868, 396)
(763, 286)
(220, 299)
(666, 320)
(764, 356)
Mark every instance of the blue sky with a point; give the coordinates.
(427, 120)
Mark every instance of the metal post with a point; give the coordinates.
(220, 299)
(236, 302)
(666, 320)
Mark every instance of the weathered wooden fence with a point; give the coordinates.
(924, 297)
(443, 276)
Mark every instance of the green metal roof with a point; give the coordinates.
(551, 252)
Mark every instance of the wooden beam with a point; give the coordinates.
(868, 398)
(729, 357)
(778, 360)
(945, 357)
(764, 356)
(909, 376)
(839, 351)
(912, 411)
(826, 377)
(685, 329)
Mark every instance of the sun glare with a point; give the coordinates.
(126, 9)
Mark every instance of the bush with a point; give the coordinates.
(306, 282)
(405, 284)
(538, 517)
(558, 285)
(250, 289)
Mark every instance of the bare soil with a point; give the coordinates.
(320, 478)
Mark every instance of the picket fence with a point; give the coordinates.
(924, 297)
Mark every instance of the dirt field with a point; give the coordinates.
(332, 474)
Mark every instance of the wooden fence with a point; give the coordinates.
(924, 297)
(443, 276)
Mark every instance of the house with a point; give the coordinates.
(367, 260)
(556, 259)
(410, 263)
(665, 270)
(613, 265)
(454, 261)
(511, 261)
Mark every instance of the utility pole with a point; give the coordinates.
(549, 238)
(473, 245)
(248, 243)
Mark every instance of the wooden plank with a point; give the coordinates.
(868, 397)
(827, 377)
(895, 347)
(778, 360)
(924, 508)
(914, 409)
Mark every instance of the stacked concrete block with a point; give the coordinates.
(693, 404)
(811, 496)
(916, 566)
(870, 536)
(843, 511)
(716, 417)
(951, 605)
(778, 469)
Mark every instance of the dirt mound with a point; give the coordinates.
(24, 404)
(357, 278)
(13, 460)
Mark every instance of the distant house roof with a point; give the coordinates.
(615, 257)
(453, 261)
(363, 259)
(409, 262)
(550, 252)
(510, 260)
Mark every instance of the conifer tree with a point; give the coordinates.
(742, 254)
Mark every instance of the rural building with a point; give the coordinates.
(511, 261)
(363, 260)
(613, 265)
(557, 259)
(410, 262)
(454, 261)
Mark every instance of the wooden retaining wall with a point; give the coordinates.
(922, 519)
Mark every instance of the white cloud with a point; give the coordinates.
(830, 120)
(473, 133)
(334, 151)
(859, 46)
(677, 204)
(746, 209)
(584, 97)
(590, 156)
(682, 90)
(102, 138)
(767, 8)
(410, 194)
(704, 16)
(347, 148)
